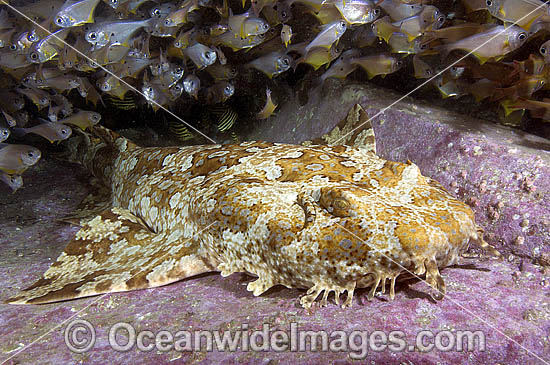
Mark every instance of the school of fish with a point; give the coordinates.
(165, 54)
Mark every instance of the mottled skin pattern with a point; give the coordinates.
(324, 218)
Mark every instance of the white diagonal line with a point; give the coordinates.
(105, 69)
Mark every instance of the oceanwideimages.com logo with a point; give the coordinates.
(80, 336)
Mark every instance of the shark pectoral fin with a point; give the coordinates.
(115, 252)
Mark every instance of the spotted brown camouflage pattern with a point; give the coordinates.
(324, 218)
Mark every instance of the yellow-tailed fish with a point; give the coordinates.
(357, 11)
(343, 66)
(192, 85)
(492, 44)
(286, 34)
(380, 64)
(88, 91)
(53, 132)
(245, 25)
(537, 109)
(154, 96)
(186, 38)
(15, 182)
(534, 65)
(457, 32)
(201, 55)
(4, 133)
(523, 89)
(38, 97)
(272, 64)
(236, 43)
(428, 19)
(75, 13)
(520, 12)
(329, 34)
(180, 16)
(398, 10)
(268, 108)
(61, 83)
(83, 119)
(319, 56)
(16, 158)
(116, 33)
(219, 92)
(384, 29)
(399, 43)
(48, 47)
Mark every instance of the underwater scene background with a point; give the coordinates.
(460, 88)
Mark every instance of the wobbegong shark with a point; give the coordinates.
(323, 217)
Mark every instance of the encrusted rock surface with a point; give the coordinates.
(501, 173)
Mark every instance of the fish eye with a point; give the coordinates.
(454, 69)
(283, 14)
(343, 24)
(34, 56)
(399, 63)
(286, 62)
(428, 72)
(228, 89)
(441, 19)
(543, 50)
(489, 2)
(92, 35)
(177, 44)
(13, 47)
(376, 11)
(522, 36)
(167, 22)
(156, 12)
(64, 131)
(266, 26)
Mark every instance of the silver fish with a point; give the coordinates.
(74, 13)
(329, 34)
(201, 55)
(15, 182)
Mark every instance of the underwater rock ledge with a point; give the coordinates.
(502, 173)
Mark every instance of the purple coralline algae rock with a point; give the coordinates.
(504, 304)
